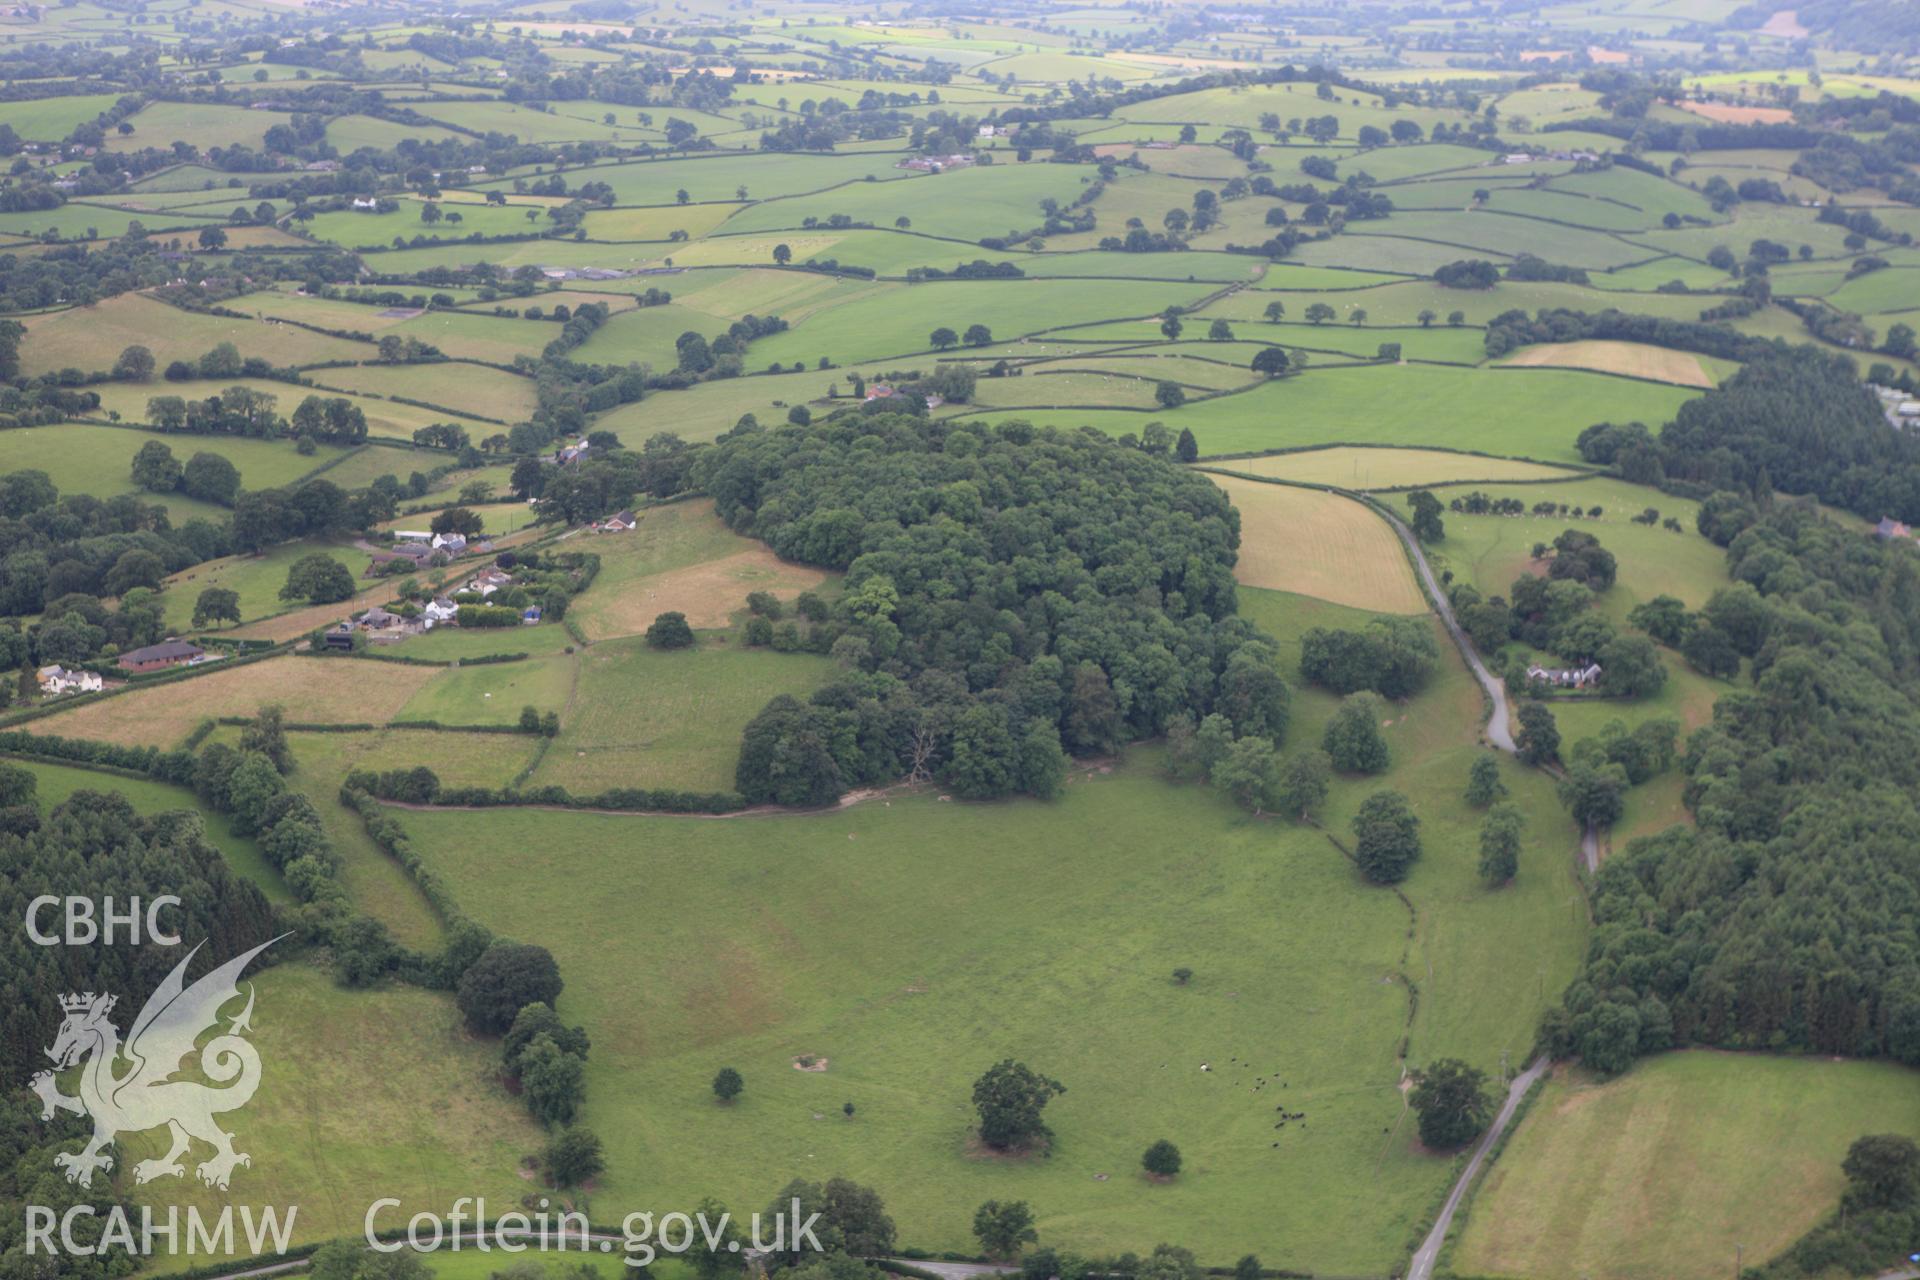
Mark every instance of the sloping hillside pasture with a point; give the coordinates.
(98, 459)
(1537, 414)
(659, 223)
(161, 124)
(1677, 1165)
(92, 338)
(311, 690)
(966, 204)
(1629, 359)
(1352, 468)
(384, 417)
(642, 717)
(1487, 232)
(464, 388)
(256, 578)
(1320, 544)
(493, 693)
(766, 177)
(52, 119)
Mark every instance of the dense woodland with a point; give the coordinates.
(1009, 593)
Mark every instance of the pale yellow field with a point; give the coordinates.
(1320, 544)
(1353, 468)
(1631, 358)
(708, 593)
(313, 690)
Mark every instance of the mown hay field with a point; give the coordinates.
(1320, 544)
(1630, 359)
(1670, 1169)
(312, 690)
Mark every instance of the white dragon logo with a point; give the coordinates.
(146, 1096)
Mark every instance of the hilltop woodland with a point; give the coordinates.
(1008, 595)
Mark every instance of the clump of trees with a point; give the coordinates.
(1452, 1103)
(1009, 1099)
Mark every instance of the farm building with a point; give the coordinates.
(1566, 677)
(57, 680)
(156, 657)
(1890, 528)
(619, 522)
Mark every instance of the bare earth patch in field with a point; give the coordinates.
(1727, 113)
(708, 593)
(1320, 544)
(336, 691)
(1636, 360)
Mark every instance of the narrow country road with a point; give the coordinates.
(1497, 732)
(1421, 1268)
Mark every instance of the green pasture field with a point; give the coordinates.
(52, 119)
(369, 462)
(642, 717)
(1401, 302)
(92, 338)
(1394, 164)
(55, 784)
(1487, 232)
(985, 200)
(1891, 289)
(1193, 265)
(79, 221)
(350, 133)
(353, 229)
(204, 124)
(1383, 250)
(184, 177)
(463, 388)
(494, 692)
(383, 1090)
(1676, 1166)
(1353, 468)
(1535, 413)
(657, 223)
(526, 123)
(765, 175)
(897, 319)
(1570, 208)
(1122, 388)
(1786, 224)
(80, 457)
(1491, 551)
(384, 417)
(445, 644)
(908, 1005)
(257, 578)
(1244, 107)
(1441, 344)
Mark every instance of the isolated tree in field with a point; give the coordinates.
(318, 579)
(1883, 1172)
(1248, 1268)
(670, 631)
(1304, 779)
(1169, 395)
(1452, 1103)
(1162, 1159)
(574, 1157)
(1319, 313)
(216, 604)
(135, 364)
(978, 335)
(212, 238)
(1002, 1227)
(1220, 331)
(1426, 318)
(1483, 781)
(681, 196)
(1539, 737)
(1276, 311)
(782, 254)
(1171, 327)
(727, 1084)
(1357, 317)
(506, 978)
(1352, 738)
(1456, 318)
(942, 338)
(1250, 773)
(1186, 448)
(1009, 1099)
(430, 213)
(1500, 843)
(155, 469)
(1386, 837)
(1271, 361)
